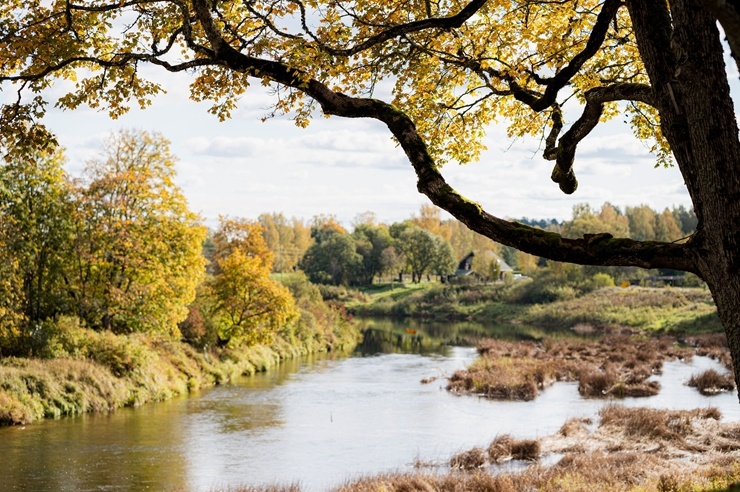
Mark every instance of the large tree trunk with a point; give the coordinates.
(687, 71)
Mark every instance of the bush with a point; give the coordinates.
(598, 281)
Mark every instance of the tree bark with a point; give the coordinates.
(684, 60)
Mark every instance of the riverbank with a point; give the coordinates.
(624, 449)
(79, 370)
(645, 309)
(628, 449)
(129, 371)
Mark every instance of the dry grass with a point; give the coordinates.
(526, 450)
(469, 460)
(711, 382)
(574, 427)
(627, 472)
(712, 345)
(616, 366)
(632, 450)
(506, 447)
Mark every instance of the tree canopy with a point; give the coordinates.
(435, 73)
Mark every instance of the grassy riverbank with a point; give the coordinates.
(646, 309)
(78, 370)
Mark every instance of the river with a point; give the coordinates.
(317, 422)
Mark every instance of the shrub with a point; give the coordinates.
(598, 281)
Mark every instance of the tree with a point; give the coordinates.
(287, 238)
(370, 243)
(419, 247)
(666, 227)
(36, 230)
(240, 300)
(642, 223)
(138, 248)
(660, 64)
(444, 260)
(332, 259)
(585, 221)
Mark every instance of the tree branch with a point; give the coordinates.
(564, 154)
(559, 80)
(597, 249)
(450, 22)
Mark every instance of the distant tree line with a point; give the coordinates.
(426, 244)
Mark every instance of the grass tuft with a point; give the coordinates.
(710, 382)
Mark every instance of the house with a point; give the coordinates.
(465, 267)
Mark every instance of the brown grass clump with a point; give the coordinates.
(595, 383)
(651, 423)
(712, 345)
(503, 378)
(506, 447)
(625, 472)
(573, 427)
(710, 382)
(500, 449)
(526, 450)
(469, 460)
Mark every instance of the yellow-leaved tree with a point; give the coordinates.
(240, 299)
(453, 67)
(137, 253)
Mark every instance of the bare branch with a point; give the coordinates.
(559, 80)
(450, 22)
(564, 153)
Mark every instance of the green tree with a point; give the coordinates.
(642, 223)
(370, 242)
(332, 259)
(35, 241)
(586, 221)
(444, 260)
(686, 219)
(138, 248)
(660, 64)
(419, 247)
(35, 212)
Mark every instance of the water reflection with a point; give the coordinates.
(433, 337)
(317, 422)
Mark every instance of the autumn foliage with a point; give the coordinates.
(119, 251)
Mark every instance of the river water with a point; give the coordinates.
(316, 422)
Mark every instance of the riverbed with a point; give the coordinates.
(316, 422)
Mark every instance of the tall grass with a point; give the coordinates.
(88, 371)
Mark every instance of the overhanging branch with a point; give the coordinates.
(597, 249)
(564, 154)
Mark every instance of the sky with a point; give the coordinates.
(245, 167)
